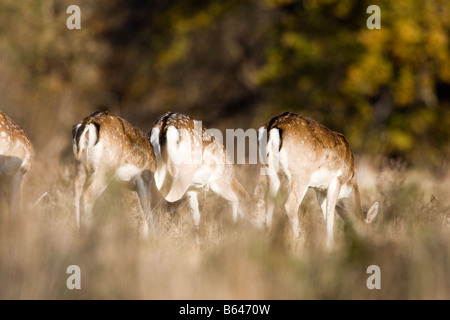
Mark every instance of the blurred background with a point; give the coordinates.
(234, 64)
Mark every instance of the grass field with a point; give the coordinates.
(409, 241)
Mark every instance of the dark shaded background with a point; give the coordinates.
(234, 64)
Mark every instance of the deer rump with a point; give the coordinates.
(178, 162)
(87, 146)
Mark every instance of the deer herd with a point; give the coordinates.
(181, 159)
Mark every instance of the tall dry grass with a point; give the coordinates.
(409, 241)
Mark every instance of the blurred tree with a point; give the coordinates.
(379, 87)
(235, 64)
(189, 56)
(46, 70)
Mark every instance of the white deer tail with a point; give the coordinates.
(172, 140)
(273, 148)
(85, 139)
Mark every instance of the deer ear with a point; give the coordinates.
(259, 191)
(372, 213)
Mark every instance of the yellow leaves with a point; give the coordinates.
(203, 18)
(199, 20)
(343, 8)
(293, 40)
(437, 43)
(277, 3)
(421, 120)
(374, 40)
(411, 37)
(401, 140)
(184, 26)
(365, 76)
(271, 69)
(301, 45)
(409, 128)
(444, 72)
(407, 41)
(408, 32)
(404, 87)
(176, 51)
(297, 51)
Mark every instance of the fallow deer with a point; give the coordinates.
(310, 155)
(189, 159)
(109, 147)
(16, 154)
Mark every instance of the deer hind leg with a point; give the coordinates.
(3, 204)
(15, 198)
(94, 186)
(10, 181)
(143, 187)
(296, 194)
(193, 204)
(79, 183)
(224, 188)
(340, 206)
(321, 199)
(5, 191)
(332, 196)
(274, 185)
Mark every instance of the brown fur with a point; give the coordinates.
(16, 155)
(322, 146)
(312, 156)
(122, 144)
(136, 148)
(178, 182)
